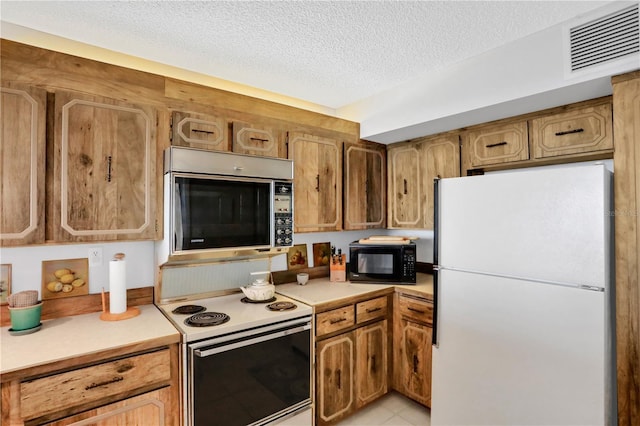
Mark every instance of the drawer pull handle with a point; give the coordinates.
(568, 132)
(416, 310)
(373, 310)
(109, 166)
(116, 379)
(337, 320)
(208, 132)
(493, 145)
(415, 363)
(259, 139)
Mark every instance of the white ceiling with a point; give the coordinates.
(330, 53)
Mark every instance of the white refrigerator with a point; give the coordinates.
(523, 331)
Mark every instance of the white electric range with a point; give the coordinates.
(252, 352)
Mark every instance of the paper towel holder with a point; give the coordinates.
(129, 313)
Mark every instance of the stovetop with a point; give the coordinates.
(242, 316)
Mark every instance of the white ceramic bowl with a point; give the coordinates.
(302, 278)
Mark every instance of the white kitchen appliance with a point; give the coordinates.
(523, 330)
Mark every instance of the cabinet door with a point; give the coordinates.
(371, 362)
(264, 141)
(22, 164)
(503, 143)
(404, 190)
(150, 408)
(364, 187)
(317, 184)
(441, 159)
(412, 361)
(335, 378)
(104, 170)
(574, 132)
(199, 130)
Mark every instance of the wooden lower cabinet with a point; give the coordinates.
(147, 409)
(352, 357)
(371, 362)
(335, 374)
(412, 334)
(132, 389)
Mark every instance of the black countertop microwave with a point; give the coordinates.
(382, 263)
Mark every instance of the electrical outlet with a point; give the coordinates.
(95, 256)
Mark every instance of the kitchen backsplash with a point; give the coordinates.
(26, 262)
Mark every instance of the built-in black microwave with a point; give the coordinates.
(382, 263)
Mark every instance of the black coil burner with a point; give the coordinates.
(247, 300)
(188, 309)
(281, 306)
(207, 319)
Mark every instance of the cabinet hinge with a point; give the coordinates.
(171, 129)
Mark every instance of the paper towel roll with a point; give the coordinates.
(118, 285)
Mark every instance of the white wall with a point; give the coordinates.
(26, 263)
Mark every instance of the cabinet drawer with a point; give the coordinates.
(334, 320)
(498, 144)
(574, 132)
(370, 309)
(419, 310)
(94, 385)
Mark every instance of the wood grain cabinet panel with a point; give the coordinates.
(317, 182)
(405, 193)
(104, 177)
(371, 309)
(335, 378)
(573, 132)
(371, 362)
(365, 186)
(335, 320)
(199, 130)
(495, 144)
(264, 141)
(94, 385)
(22, 164)
(441, 156)
(412, 334)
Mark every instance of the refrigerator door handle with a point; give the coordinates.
(436, 260)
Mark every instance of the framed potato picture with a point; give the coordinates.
(297, 257)
(5, 282)
(65, 278)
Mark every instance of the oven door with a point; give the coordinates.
(252, 377)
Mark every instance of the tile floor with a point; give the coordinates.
(392, 409)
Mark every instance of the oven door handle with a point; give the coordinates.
(204, 353)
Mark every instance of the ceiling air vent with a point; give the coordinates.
(605, 39)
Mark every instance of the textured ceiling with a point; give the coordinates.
(331, 53)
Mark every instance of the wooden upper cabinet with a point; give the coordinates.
(104, 170)
(441, 159)
(404, 190)
(265, 141)
(199, 130)
(317, 184)
(574, 132)
(22, 164)
(495, 144)
(365, 186)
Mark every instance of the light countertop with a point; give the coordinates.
(72, 336)
(322, 290)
